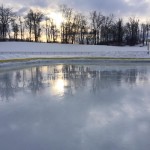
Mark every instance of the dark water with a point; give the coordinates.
(75, 107)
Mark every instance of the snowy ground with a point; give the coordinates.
(14, 50)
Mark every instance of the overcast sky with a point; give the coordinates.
(137, 8)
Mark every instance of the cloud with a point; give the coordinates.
(22, 11)
(122, 7)
(117, 7)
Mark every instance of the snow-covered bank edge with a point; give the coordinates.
(22, 53)
(58, 58)
(30, 62)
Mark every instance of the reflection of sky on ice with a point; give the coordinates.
(100, 113)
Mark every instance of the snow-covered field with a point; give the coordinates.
(14, 50)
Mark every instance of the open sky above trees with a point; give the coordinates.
(124, 8)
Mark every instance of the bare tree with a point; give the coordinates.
(47, 26)
(83, 28)
(97, 20)
(37, 18)
(120, 31)
(132, 31)
(28, 24)
(78, 28)
(6, 15)
(22, 27)
(15, 28)
(117, 32)
(66, 25)
(145, 27)
(51, 30)
(147, 31)
(143, 33)
(106, 28)
(33, 20)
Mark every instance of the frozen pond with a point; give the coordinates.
(75, 107)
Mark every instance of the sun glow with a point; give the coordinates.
(58, 87)
(57, 17)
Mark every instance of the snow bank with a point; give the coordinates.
(13, 50)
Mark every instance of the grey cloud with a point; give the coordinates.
(113, 6)
(22, 11)
(119, 7)
(40, 3)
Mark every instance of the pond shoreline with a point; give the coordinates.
(20, 63)
(76, 59)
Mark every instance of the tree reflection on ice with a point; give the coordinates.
(77, 107)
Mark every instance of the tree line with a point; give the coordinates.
(96, 28)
